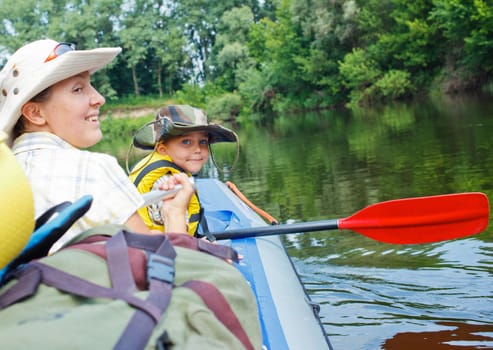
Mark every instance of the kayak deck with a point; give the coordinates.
(289, 319)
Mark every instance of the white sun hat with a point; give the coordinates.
(38, 65)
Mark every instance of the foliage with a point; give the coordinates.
(197, 96)
(276, 55)
(468, 26)
(359, 73)
(394, 84)
(130, 102)
(230, 54)
(255, 90)
(224, 107)
(191, 94)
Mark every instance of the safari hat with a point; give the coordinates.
(38, 65)
(176, 120)
(17, 214)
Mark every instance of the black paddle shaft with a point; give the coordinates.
(278, 229)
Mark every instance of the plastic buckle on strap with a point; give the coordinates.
(160, 268)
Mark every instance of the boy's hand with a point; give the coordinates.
(174, 209)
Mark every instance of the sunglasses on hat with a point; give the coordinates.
(59, 50)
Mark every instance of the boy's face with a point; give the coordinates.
(72, 111)
(189, 151)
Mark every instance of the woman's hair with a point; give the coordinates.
(20, 127)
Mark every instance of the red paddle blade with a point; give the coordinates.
(422, 219)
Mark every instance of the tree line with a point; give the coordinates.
(246, 56)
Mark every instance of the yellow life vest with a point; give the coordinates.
(146, 172)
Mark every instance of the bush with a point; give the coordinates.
(130, 102)
(394, 84)
(368, 84)
(224, 107)
(191, 94)
(197, 96)
(358, 71)
(255, 91)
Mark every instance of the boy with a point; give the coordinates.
(179, 138)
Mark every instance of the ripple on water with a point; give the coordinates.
(364, 307)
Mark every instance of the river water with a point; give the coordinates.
(331, 164)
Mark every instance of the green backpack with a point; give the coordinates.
(130, 291)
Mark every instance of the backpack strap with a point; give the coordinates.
(211, 296)
(119, 265)
(160, 274)
(36, 273)
(218, 304)
(219, 250)
(139, 243)
(178, 239)
(24, 288)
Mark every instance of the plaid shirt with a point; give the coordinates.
(59, 172)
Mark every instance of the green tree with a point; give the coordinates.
(468, 27)
(87, 24)
(135, 34)
(154, 48)
(172, 62)
(199, 21)
(275, 54)
(29, 20)
(331, 32)
(277, 48)
(230, 52)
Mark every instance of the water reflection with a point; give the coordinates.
(455, 335)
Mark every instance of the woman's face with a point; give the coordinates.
(189, 151)
(71, 111)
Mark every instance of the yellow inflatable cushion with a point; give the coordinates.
(17, 210)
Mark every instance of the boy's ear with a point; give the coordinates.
(32, 112)
(161, 148)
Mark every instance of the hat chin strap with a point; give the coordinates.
(127, 158)
(237, 155)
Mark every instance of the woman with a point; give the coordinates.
(51, 112)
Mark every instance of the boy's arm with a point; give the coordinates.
(136, 224)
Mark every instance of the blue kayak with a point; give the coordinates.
(288, 317)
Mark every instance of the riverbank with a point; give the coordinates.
(135, 112)
(134, 106)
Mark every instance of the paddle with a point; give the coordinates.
(400, 221)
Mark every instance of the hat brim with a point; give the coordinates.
(63, 67)
(216, 132)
